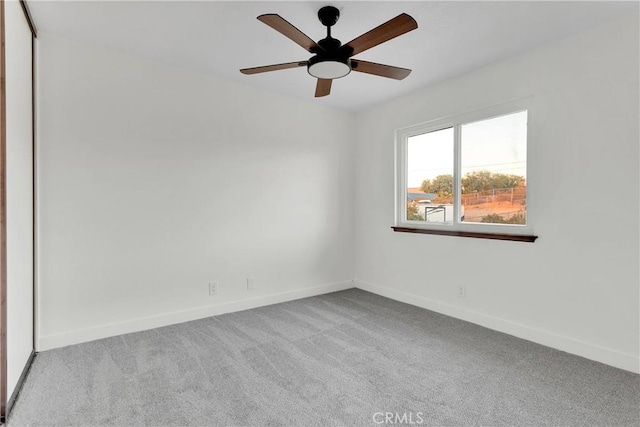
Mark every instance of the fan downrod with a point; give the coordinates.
(329, 15)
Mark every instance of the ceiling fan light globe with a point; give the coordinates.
(329, 69)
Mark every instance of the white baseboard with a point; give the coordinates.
(608, 356)
(77, 336)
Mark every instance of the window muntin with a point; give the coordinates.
(493, 144)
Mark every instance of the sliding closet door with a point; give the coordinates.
(18, 194)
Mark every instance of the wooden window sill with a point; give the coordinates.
(476, 235)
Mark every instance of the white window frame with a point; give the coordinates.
(456, 122)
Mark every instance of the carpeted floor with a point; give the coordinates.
(346, 359)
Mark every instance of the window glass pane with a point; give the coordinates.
(494, 170)
(430, 177)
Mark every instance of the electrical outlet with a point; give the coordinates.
(213, 288)
(462, 291)
(251, 284)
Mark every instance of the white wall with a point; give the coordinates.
(154, 181)
(576, 287)
(19, 193)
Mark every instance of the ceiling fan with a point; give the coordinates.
(333, 60)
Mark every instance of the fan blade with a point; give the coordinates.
(323, 87)
(393, 28)
(379, 69)
(282, 26)
(275, 67)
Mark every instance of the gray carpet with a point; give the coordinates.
(337, 359)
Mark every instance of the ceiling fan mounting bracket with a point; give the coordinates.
(328, 15)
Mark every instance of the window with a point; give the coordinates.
(466, 173)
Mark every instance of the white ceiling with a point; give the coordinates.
(221, 37)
